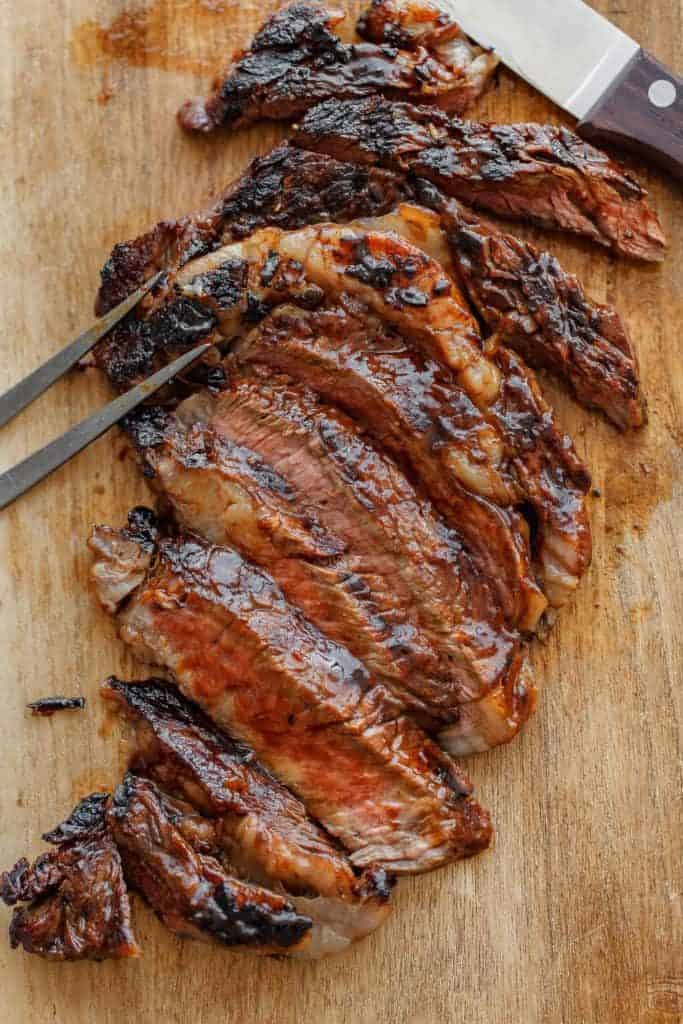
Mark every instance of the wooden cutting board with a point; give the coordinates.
(575, 916)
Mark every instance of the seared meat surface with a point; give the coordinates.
(77, 901)
(296, 61)
(299, 490)
(522, 294)
(527, 171)
(529, 301)
(190, 890)
(305, 705)
(498, 400)
(259, 829)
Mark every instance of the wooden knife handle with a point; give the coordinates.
(642, 111)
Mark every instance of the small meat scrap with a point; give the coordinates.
(47, 706)
(77, 901)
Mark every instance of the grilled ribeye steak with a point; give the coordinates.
(532, 172)
(260, 830)
(520, 292)
(298, 489)
(296, 61)
(78, 905)
(189, 889)
(305, 705)
(499, 445)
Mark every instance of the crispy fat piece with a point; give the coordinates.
(533, 172)
(190, 890)
(296, 61)
(76, 896)
(306, 707)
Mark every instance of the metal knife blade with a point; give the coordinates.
(36, 467)
(563, 48)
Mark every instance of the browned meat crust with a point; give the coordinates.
(541, 311)
(189, 890)
(521, 293)
(287, 188)
(528, 171)
(299, 490)
(266, 828)
(258, 827)
(78, 905)
(308, 708)
(296, 61)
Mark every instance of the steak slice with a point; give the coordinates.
(416, 411)
(298, 490)
(78, 907)
(529, 301)
(189, 890)
(522, 293)
(296, 61)
(305, 705)
(259, 827)
(533, 172)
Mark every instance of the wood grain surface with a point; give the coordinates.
(575, 916)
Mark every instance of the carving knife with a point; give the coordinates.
(585, 64)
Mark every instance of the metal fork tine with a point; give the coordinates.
(33, 385)
(36, 467)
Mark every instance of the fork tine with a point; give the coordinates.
(36, 467)
(33, 385)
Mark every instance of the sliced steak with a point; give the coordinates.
(298, 490)
(76, 896)
(189, 890)
(296, 61)
(533, 172)
(416, 411)
(259, 827)
(522, 293)
(305, 705)
(529, 301)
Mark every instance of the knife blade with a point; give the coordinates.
(586, 65)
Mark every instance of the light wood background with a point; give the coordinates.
(575, 916)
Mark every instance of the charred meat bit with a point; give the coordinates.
(77, 899)
(47, 706)
(190, 891)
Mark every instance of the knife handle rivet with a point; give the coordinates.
(662, 93)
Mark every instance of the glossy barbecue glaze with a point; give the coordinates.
(260, 830)
(296, 61)
(297, 488)
(189, 889)
(528, 300)
(306, 706)
(528, 171)
(520, 292)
